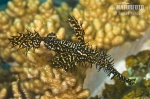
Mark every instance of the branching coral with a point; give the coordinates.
(36, 17)
(33, 75)
(46, 82)
(103, 28)
(106, 26)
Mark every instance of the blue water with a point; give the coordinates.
(4, 65)
(3, 4)
(72, 3)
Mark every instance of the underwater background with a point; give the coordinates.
(123, 33)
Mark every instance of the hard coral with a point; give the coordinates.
(106, 26)
(46, 82)
(33, 18)
(103, 28)
(33, 76)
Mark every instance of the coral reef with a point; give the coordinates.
(138, 67)
(106, 26)
(41, 80)
(31, 75)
